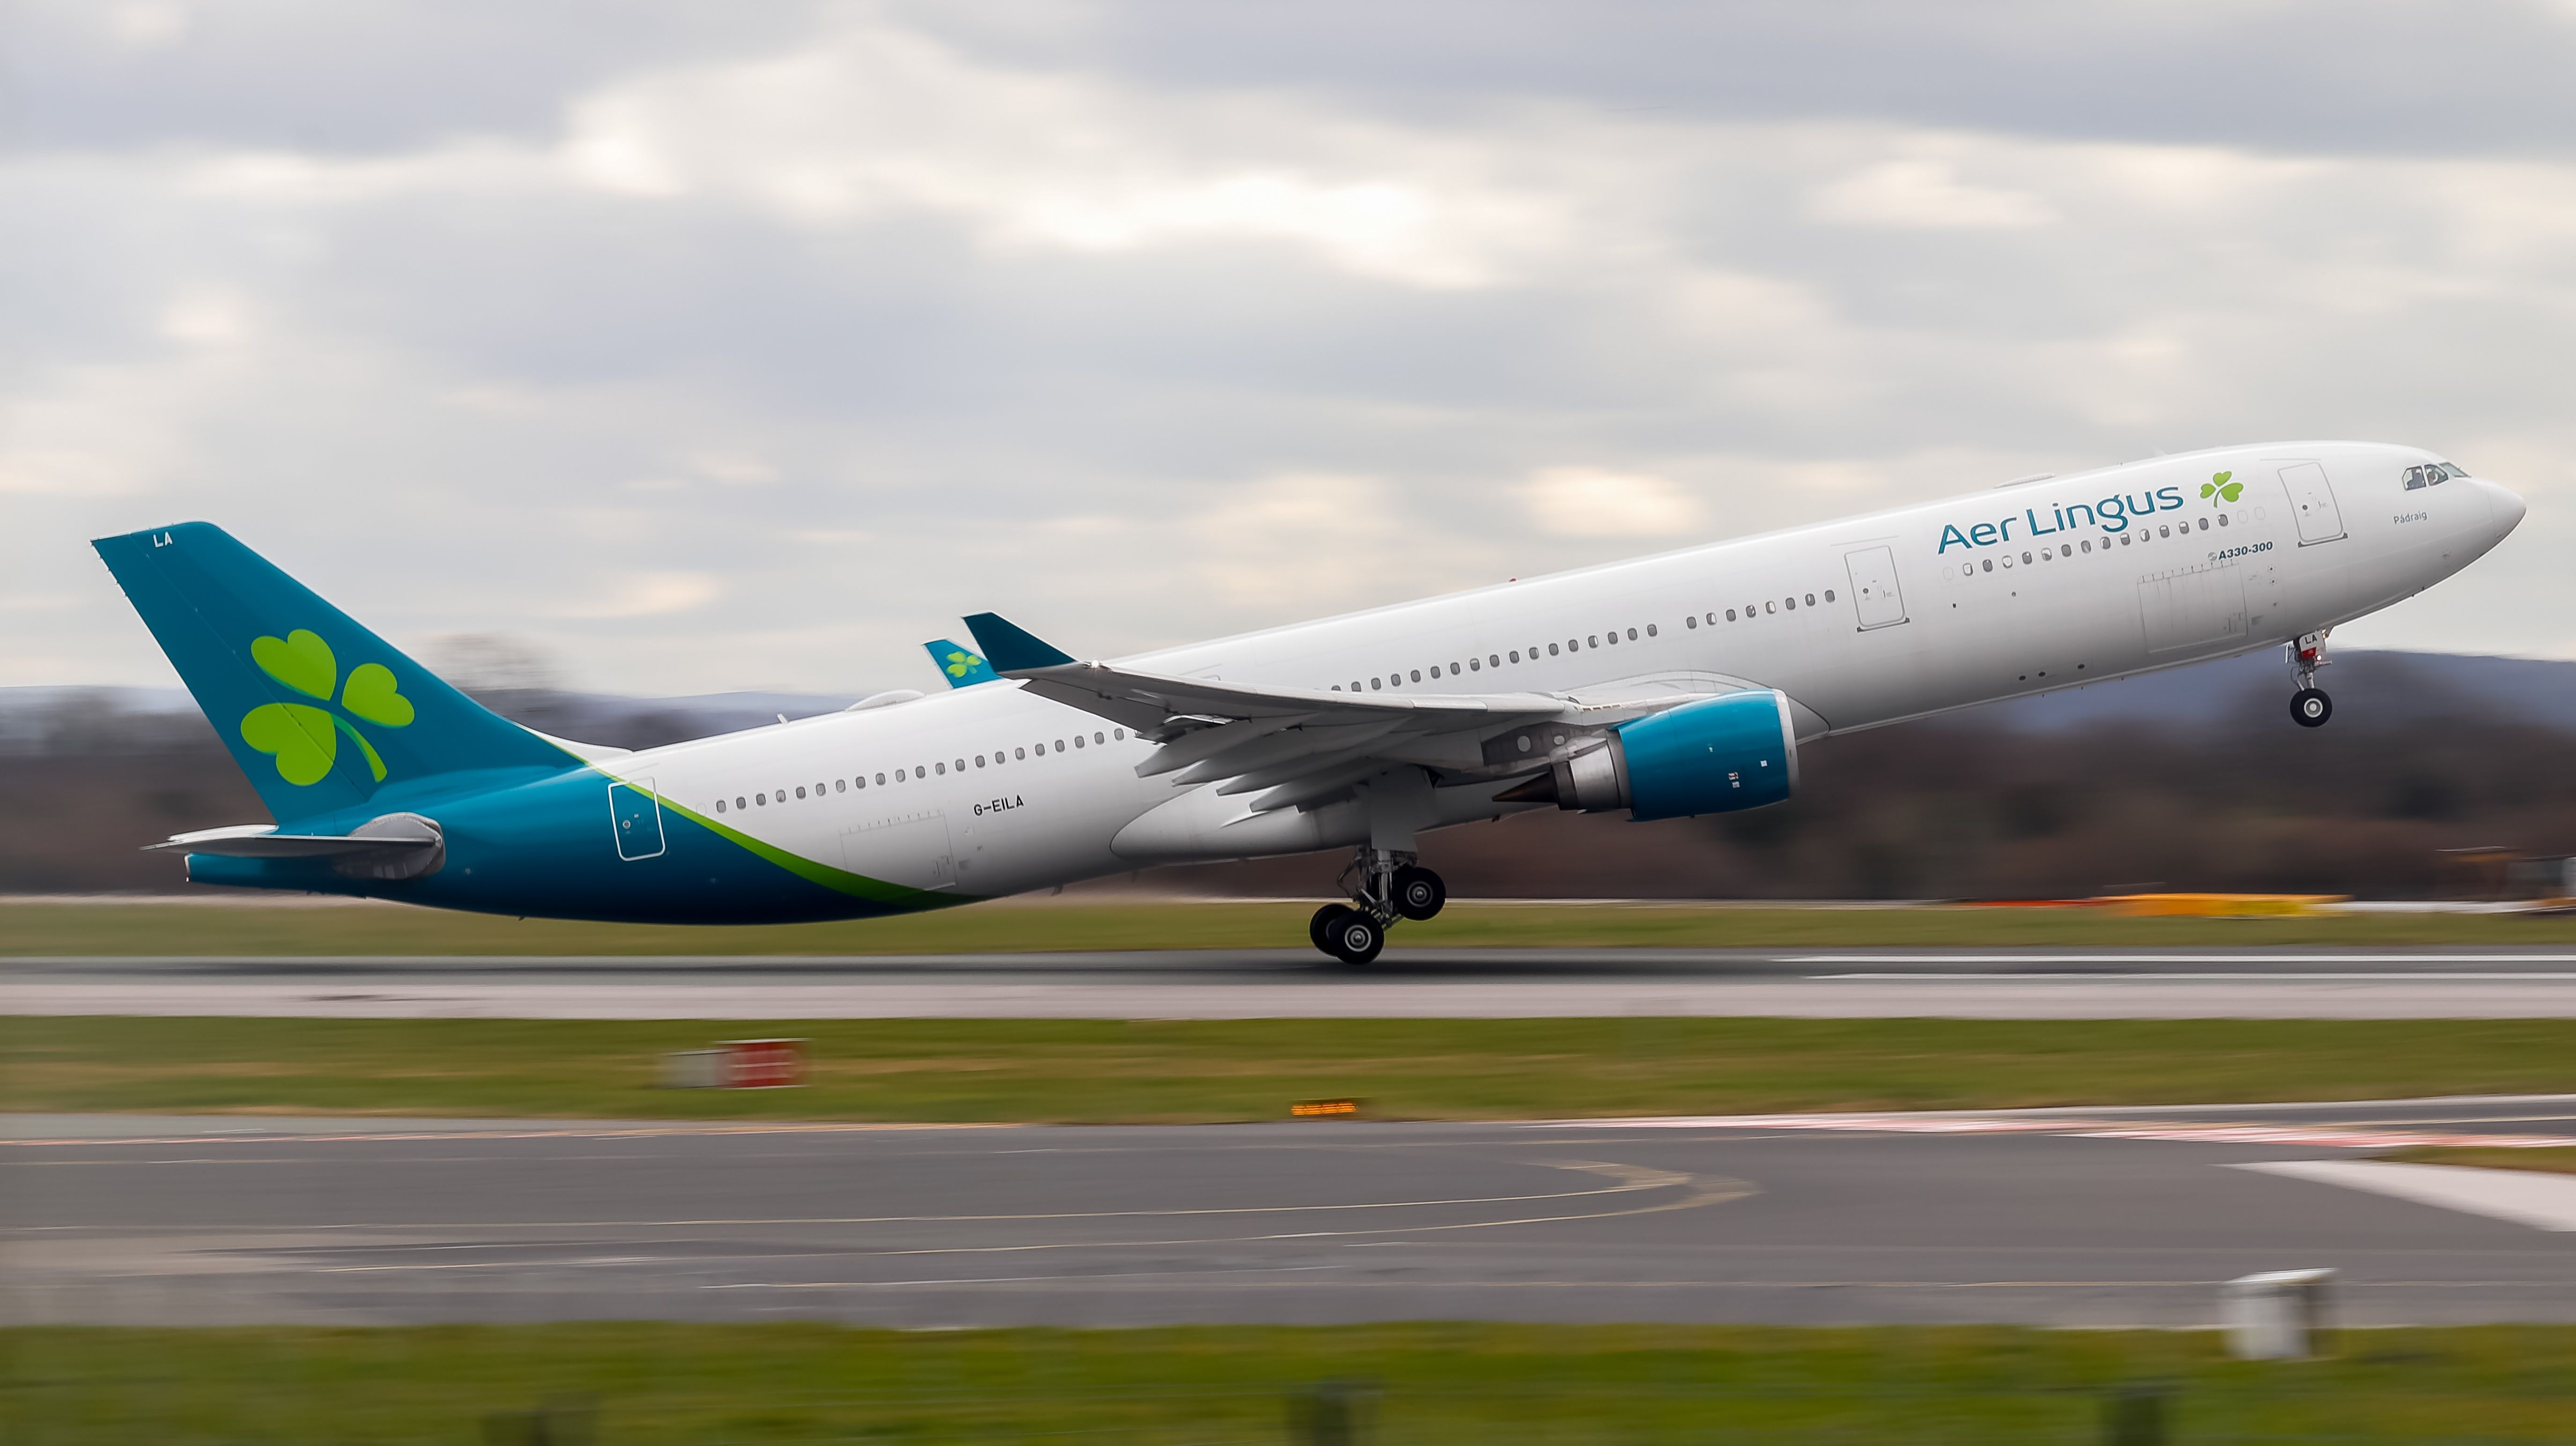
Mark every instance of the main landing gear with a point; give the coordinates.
(2309, 707)
(1384, 887)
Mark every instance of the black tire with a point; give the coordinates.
(1419, 893)
(1319, 929)
(1355, 938)
(2310, 707)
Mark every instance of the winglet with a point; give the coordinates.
(1010, 649)
(962, 668)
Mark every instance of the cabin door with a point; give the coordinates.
(2312, 500)
(1875, 595)
(635, 819)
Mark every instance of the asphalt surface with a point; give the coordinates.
(2066, 1218)
(2378, 983)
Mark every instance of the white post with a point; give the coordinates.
(2277, 1315)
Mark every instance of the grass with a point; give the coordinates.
(2544, 1161)
(1177, 1071)
(662, 1385)
(258, 928)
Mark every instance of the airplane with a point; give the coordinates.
(1672, 685)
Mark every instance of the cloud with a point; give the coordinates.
(1923, 192)
(1591, 502)
(749, 347)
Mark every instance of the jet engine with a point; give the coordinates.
(1726, 753)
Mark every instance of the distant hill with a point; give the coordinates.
(2384, 685)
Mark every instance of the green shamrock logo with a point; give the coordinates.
(305, 739)
(2219, 487)
(962, 663)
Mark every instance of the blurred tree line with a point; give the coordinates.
(2229, 796)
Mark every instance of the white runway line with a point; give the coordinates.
(2276, 956)
(2543, 1202)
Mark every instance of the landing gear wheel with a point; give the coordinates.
(1354, 938)
(1320, 928)
(2310, 707)
(1419, 892)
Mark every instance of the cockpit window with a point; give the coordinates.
(2447, 470)
(2416, 480)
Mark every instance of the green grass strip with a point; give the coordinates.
(1497, 1385)
(1096, 1071)
(234, 928)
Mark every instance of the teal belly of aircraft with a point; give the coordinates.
(546, 850)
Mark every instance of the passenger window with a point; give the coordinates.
(1811, 599)
(2124, 539)
(1692, 621)
(1772, 608)
(1453, 670)
(1373, 685)
(1632, 635)
(1614, 638)
(1990, 564)
(800, 792)
(1120, 734)
(2087, 545)
(737, 801)
(979, 760)
(1793, 604)
(1829, 594)
(720, 805)
(943, 768)
(1730, 615)
(840, 785)
(1650, 630)
(1551, 650)
(762, 799)
(2164, 532)
(818, 790)
(1417, 675)
(1059, 745)
(1492, 660)
(1516, 655)
(2222, 519)
(1475, 665)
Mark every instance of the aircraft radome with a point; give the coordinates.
(1677, 684)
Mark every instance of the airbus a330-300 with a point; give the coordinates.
(1678, 684)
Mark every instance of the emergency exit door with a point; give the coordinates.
(1875, 595)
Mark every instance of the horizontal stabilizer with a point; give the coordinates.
(263, 841)
(962, 668)
(1009, 648)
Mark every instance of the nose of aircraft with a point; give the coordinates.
(2504, 506)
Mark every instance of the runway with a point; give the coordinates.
(2090, 1218)
(2380, 983)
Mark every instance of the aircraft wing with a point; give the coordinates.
(1289, 746)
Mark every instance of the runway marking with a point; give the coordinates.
(2275, 977)
(2176, 1130)
(1706, 1190)
(2275, 956)
(635, 1132)
(2543, 1202)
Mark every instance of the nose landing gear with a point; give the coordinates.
(1384, 886)
(2309, 706)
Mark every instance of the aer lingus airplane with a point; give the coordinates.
(1676, 684)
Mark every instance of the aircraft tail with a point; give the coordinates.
(960, 666)
(322, 714)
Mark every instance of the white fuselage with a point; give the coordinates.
(1861, 622)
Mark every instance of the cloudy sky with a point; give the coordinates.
(731, 346)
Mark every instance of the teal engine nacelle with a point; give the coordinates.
(1734, 752)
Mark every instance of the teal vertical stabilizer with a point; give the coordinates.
(322, 714)
(960, 666)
